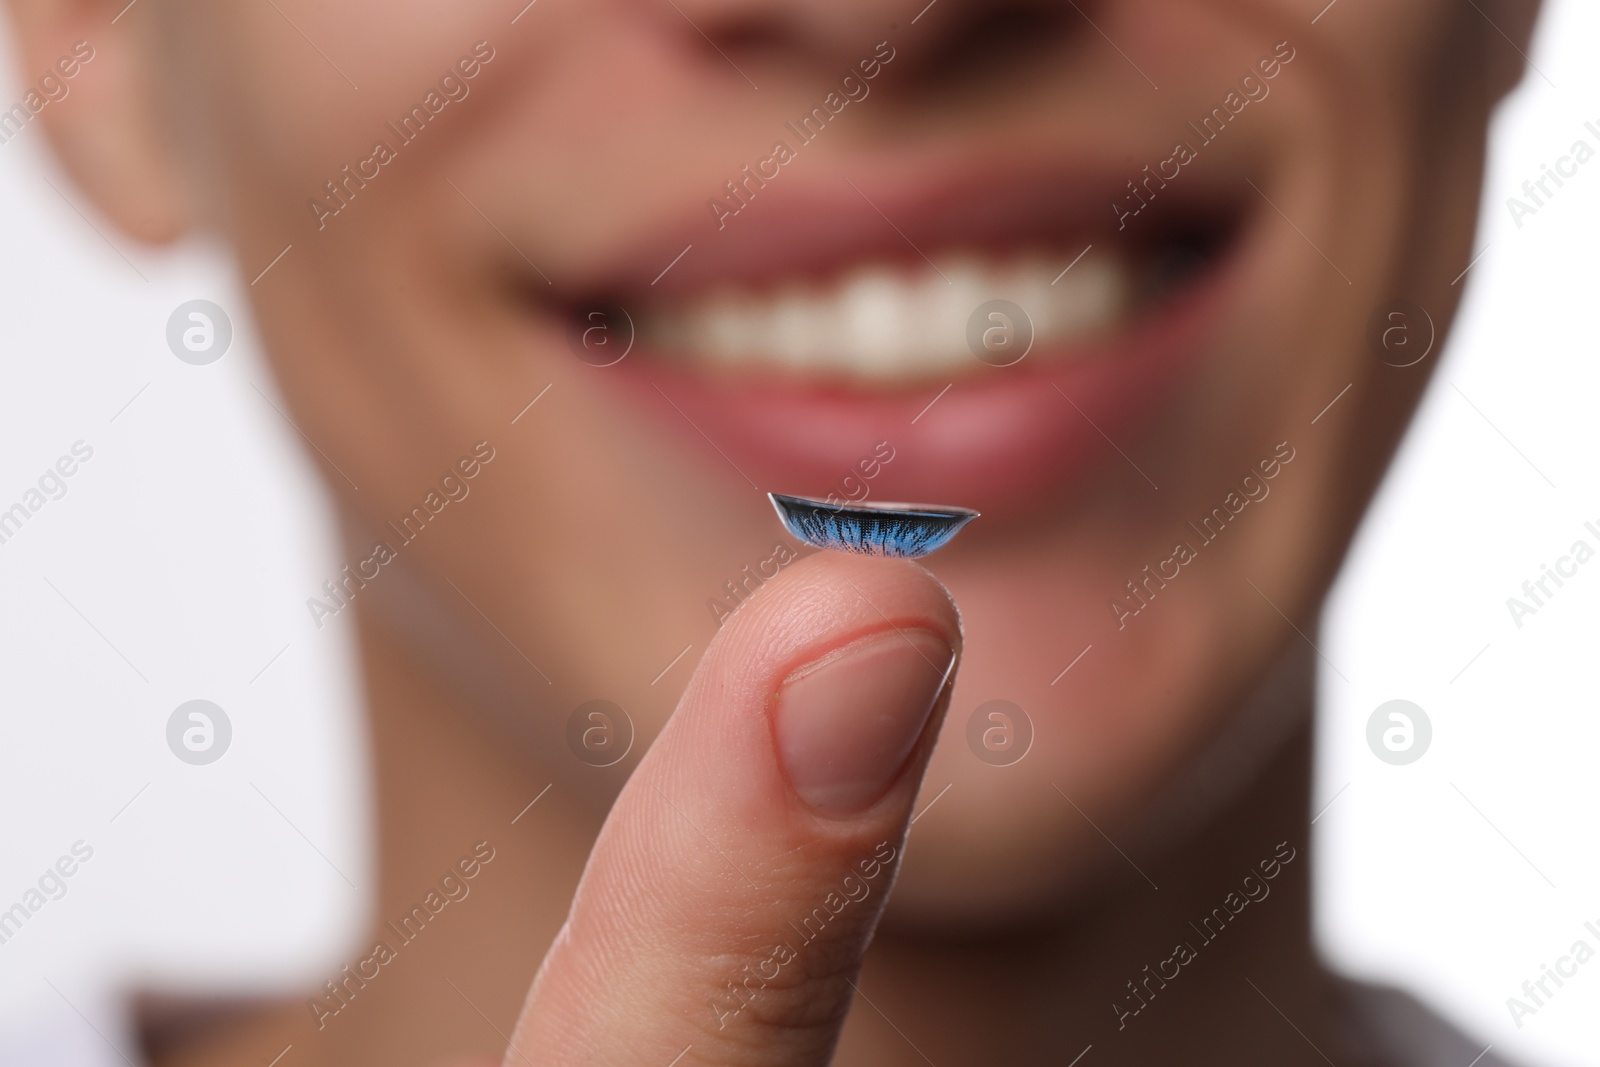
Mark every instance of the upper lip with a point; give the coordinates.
(813, 225)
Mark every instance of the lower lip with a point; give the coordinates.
(1004, 441)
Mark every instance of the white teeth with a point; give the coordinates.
(874, 328)
(796, 328)
(882, 322)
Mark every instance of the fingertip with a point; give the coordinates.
(836, 594)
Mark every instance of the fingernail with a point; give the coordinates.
(846, 723)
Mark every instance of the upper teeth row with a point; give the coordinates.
(895, 322)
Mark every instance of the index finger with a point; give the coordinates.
(737, 882)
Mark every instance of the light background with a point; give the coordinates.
(177, 565)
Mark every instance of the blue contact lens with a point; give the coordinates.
(903, 530)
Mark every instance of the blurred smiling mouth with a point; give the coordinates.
(963, 324)
(894, 322)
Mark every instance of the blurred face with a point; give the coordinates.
(1100, 281)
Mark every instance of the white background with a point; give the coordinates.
(178, 563)
(1463, 873)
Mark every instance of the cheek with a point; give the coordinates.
(293, 110)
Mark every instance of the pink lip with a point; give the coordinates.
(1003, 441)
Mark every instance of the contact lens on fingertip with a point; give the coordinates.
(906, 531)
